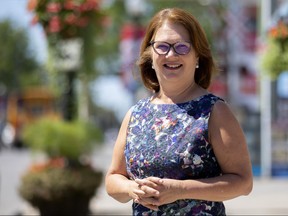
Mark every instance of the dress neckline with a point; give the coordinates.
(182, 103)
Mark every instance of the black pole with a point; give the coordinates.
(69, 100)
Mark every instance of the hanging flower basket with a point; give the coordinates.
(69, 20)
(275, 58)
(64, 19)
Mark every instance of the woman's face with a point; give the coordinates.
(172, 67)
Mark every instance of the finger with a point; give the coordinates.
(153, 201)
(144, 194)
(147, 187)
(156, 180)
(147, 182)
(139, 192)
(149, 191)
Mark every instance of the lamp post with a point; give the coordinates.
(66, 23)
(68, 61)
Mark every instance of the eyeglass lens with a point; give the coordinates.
(162, 48)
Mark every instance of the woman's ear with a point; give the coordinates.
(197, 63)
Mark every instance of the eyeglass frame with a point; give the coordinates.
(170, 45)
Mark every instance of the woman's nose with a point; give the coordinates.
(171, 52)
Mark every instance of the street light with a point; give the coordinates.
(68, 61)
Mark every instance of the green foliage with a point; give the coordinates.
(275, 58)
(18, 65)
(63, 184)
(58, 138)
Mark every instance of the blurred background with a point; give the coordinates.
(74, 59)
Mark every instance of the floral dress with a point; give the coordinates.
(171, 141)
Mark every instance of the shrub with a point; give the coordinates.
(58, 138)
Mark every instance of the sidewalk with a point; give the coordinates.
(269, 196)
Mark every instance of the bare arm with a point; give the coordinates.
(117, 182)
(229, 145)
(230, 148)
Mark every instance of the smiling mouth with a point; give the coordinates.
(172, 67)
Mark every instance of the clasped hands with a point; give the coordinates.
(152, 192)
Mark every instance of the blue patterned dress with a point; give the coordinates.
(171, 141)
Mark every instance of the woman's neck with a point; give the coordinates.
(172, 96)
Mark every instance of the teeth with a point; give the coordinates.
(173, 66)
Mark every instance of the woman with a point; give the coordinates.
(180, 151)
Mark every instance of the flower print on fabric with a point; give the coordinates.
(171, 141)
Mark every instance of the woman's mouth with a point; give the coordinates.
(172, 66)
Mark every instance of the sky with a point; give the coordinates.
(107, 91)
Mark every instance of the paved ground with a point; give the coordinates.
(269, 196)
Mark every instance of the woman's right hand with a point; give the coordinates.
(147, 194)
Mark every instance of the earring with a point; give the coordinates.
(153, 67)
(197, 65)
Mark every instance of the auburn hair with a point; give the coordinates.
(198, 39)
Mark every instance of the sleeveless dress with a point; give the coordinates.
(171, 141)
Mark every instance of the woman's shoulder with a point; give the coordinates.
(222, 110)
(141, 103)
(212, 97)
(208, 100)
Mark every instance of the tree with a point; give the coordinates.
(18, 65)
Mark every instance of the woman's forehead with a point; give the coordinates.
(172, 32)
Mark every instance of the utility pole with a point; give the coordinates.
(265, 97)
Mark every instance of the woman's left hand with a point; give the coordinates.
(154, 192)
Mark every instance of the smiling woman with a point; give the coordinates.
(180, 151)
